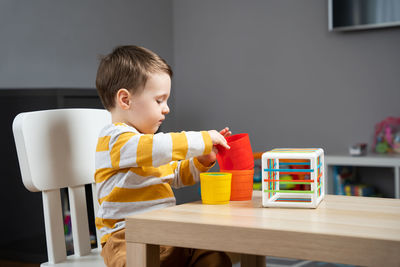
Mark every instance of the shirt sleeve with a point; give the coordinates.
(187, 172)
(130, 149)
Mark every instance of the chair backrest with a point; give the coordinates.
(56, 149)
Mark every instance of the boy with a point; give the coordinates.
(135, 168)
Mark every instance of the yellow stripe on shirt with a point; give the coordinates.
(110, 223)
(104, 238)
(115, 153)
(161, 171)
(152, 192)
(145, 150)
(207, 142)
(103, 143)
(105, 173)
(179, 146)
(185, 174)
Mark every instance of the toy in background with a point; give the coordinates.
(257, 171)
(293, 177)
(396, 142)
(68, 233)
(387, 136)
(345, 182)
(359, 149)
(69, 244)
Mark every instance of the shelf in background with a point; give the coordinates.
(370, 160)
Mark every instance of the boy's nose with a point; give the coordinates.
(165, 109)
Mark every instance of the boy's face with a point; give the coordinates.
(149, 107)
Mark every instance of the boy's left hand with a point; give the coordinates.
(209, 159)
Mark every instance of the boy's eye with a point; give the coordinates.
(159, 101)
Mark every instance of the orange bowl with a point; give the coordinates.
(241, 184)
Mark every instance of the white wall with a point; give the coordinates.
(272, 69)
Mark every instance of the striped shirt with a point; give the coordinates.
(135, 172)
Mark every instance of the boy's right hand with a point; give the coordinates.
(218, 139)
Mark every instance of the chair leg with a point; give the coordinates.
(79, 220)
(53, 220)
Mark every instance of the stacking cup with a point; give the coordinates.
(241, 184)
(215, 187)
(239, 156)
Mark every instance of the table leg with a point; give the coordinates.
(142, 255)
(397, 182)
(247, 260)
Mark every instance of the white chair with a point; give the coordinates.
(56, 149)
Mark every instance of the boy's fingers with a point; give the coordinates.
(223, 131)
(225, 144)
(219, 137)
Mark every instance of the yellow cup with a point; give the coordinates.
(215, 187)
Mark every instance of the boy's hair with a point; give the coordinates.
(127, 67)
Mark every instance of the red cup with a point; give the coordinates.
(241, 184)
(239, 156)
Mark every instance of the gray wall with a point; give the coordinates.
(44, 44)
(269, 68)
(47, 43)
(272, 69)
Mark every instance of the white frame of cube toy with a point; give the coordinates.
(273, 196)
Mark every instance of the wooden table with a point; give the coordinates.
(350, 230)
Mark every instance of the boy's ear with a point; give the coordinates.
(123, 98)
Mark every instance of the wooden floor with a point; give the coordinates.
(7, 263)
